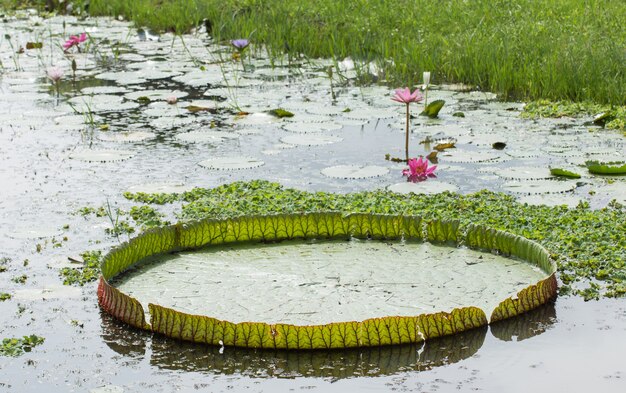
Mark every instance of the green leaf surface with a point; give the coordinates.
(606, 168)
(432, 109)
(564, 173)
(280, 113)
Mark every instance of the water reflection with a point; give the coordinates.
(525, 326)
(337, 364)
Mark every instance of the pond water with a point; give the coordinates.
(100, 139)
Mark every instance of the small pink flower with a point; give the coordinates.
(54, 74)
(74, 41)
(171, 100)
(405, 96)
(419, 170)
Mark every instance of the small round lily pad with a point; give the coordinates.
(306, 128)
(205, 136)
(462, 156)
(551, 200)
(310, 139)
(424, 187)
(101, 155)
(539, 186)
(231, 163)
(160, 188)
(126, 136)
(524, 173)
(354, 171)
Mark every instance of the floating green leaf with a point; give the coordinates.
(280, 113)
(432, 109)
(606, 168)
(564, 173)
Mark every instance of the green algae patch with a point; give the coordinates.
(609, 116)
(234, 243)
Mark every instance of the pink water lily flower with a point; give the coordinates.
(74, 41)
(405, 96)
(55, 74)
(419, 170)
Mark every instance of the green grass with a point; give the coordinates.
(588, 245)
(521, 49)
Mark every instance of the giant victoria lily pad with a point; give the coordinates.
(326, 280)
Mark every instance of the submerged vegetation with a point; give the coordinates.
(590, 244)
(565, 50)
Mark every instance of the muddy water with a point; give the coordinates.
(571, 346)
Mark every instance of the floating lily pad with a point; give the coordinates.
(468, 156)
(370, 113)
(325, 110)
(564, 173)
(93, 90)
(231, 163)
(256, 119)
(206, 136)
(126, 136)
(425, 187)
(310, 139)
(606, 168)
(306, 118)
(524, 173)
(174, 122)
(616, 190)
(101, 103)
(539, 186)
(305, 128)
(354, 171)
(530, 152)
(160, 188)
(280, 113)
(155, 95)
(353, 279)
(570, 201)
(432, 109)
(101, 155)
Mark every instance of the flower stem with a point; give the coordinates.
(406, 146)
(425, 97)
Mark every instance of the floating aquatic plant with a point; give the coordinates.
(406, 97)
(606, 168)
(432, 110)
(319, 226)
(564, 173)
(17, 346)
(419, 170)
